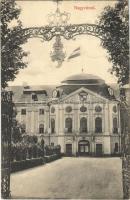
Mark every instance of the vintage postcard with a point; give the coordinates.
(65, 99)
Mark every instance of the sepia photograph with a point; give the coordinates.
(65, 99)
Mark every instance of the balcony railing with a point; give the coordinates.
(83, 130)
(68, 130)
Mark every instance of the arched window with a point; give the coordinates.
(52, 125)
(41, 111)
(52, 109)
(68, 124)
(115, 127)
(41, 128)
(114, 109)
(98, 125)
(83, 125)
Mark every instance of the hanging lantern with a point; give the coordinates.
(58, 54)
(58, 19)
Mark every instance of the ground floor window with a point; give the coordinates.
(52, 144)
(41, 128)
(23, 128)
(116, 148)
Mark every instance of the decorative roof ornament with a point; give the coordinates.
(58, 19)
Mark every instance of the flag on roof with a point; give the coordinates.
(75, 53)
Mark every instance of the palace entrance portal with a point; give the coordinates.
(83, 148)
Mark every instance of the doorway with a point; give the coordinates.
(68, 149)
(99, 150)
(83, 148)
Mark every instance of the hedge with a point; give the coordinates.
(26, 164)
(52, 158)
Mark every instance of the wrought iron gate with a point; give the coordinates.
(6, 127)
(125, 143)
(47, 33)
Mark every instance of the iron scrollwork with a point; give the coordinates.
(68, 32)
(7, 114)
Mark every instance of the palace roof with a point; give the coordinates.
(69, 85)
(83, 78)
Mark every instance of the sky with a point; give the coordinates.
(41, 70)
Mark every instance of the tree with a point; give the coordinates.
(12, 37)
(115, 38)
(16, 134)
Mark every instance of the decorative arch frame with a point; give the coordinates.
(67, 32)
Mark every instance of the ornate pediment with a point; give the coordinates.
(83, 95)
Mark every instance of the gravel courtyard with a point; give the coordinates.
(74, 178)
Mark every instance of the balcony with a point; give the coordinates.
(68, 130)
(83, 130)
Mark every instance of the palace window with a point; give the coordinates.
(68, 109)
(83, 109)
(41, 111)
(52, 110)
(23, 128)
(98, 125)
(116, 149)
(115, 127)
(83, 125)
(23, 111)
(98, 108)
(114, 109)
(41, 128)
(34, 97)
(68, 125)
(52, 144)
(52, 125)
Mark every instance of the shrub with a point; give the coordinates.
(25, 164)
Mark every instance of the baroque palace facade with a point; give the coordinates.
(82, 115)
